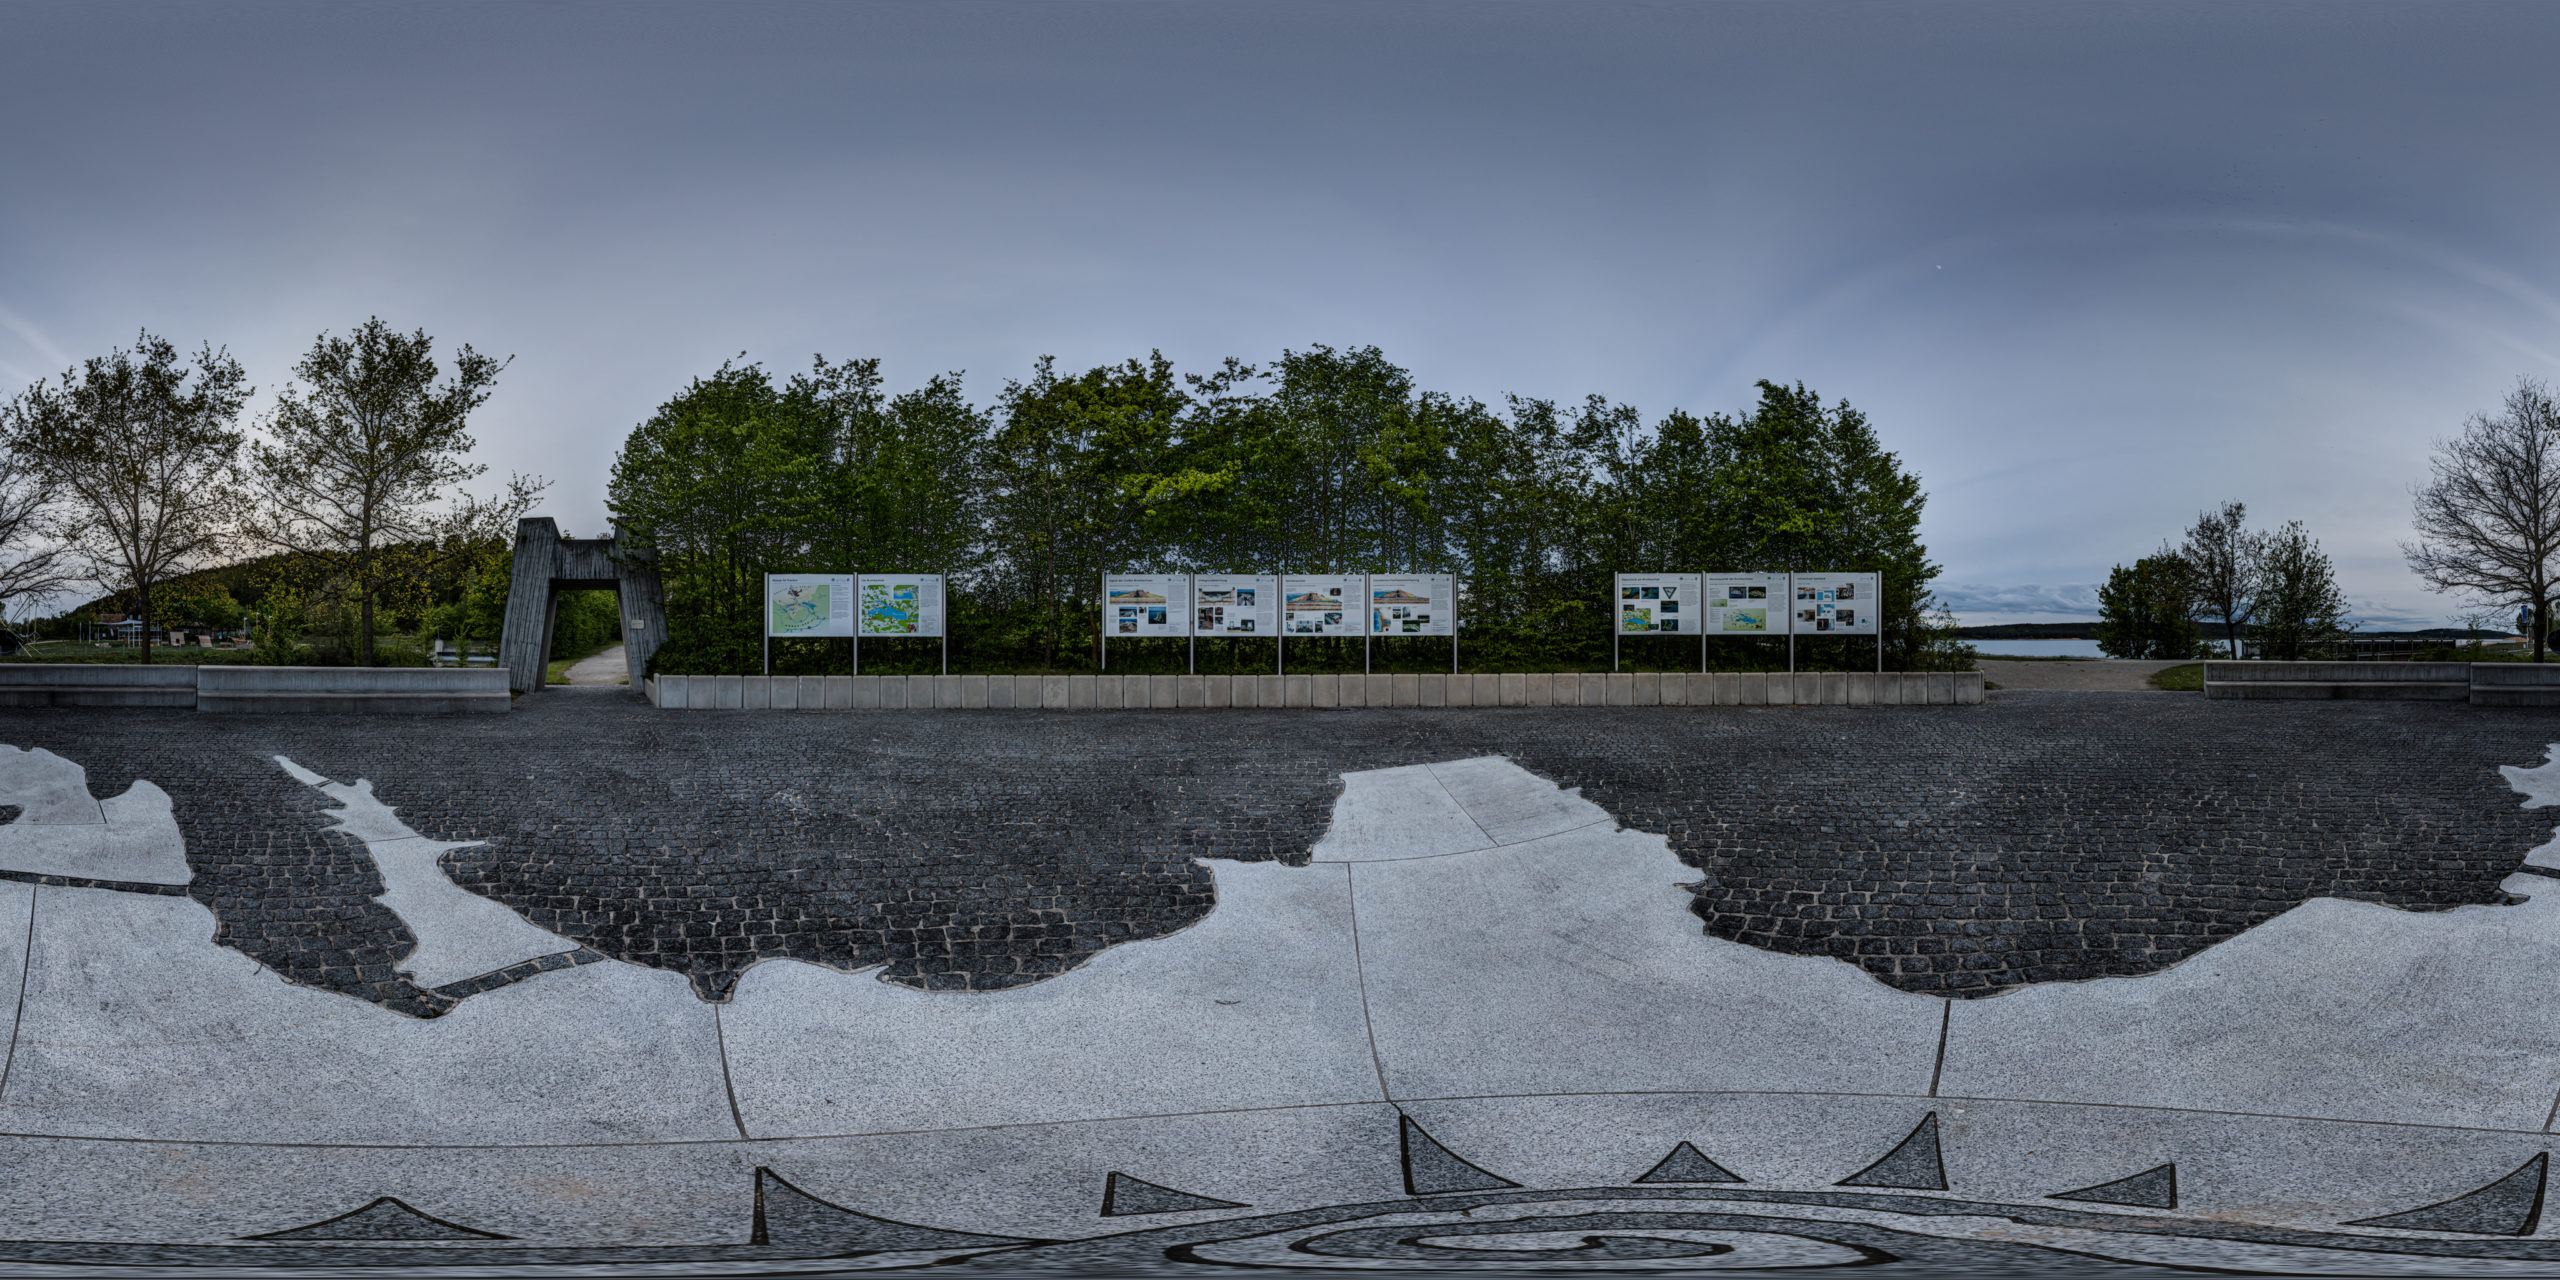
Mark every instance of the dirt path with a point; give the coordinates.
(608, 667)
(2098, 674)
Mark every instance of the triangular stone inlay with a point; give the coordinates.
(785, 1214)
(1125, 1197)
(1431, 1169)
(1688, 1164)
(387, 1218)
(2511, 1206)
(1914, 1164)
(2149, 1189)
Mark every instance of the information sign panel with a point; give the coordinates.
(895, 605)
(1747, 604)
(1659, 604)
(1235, 604)
(1320, 604)
(1138, 605)
(799, 605)
(1837, 604)
(1413, 604)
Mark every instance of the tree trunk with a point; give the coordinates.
(2541, 624)
(364, 584)
(146, 622)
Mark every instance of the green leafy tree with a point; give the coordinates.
(1793, 485)
(2226, 561)
(143, 449)
(1326, 460)
(366, 452)
(2144, 610)
(1076, 464)
(2301, 608)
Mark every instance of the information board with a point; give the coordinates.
(1747, 604)
(1235, 604)
(801, 605)
(1658, 604)
(1320, 604)
(1837, 604)
(1138, 605)
(1413, 604)
(894, 605)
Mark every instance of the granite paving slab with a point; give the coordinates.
(1257, 1005)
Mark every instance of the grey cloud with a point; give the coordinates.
(2090, 268)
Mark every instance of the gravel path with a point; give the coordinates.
(607, 667)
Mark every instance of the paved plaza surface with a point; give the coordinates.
(2135, 977)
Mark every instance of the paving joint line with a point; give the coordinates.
(18, 1015)
(720, 1041)
(1360, 975)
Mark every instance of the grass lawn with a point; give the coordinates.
(2183, 679)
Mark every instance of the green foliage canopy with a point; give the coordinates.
(1325, 460)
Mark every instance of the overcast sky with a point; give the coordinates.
(2088, 267)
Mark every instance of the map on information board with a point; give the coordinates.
(1136, 605)
(1657, 604)
(1413, 604)
(1321, 604)
(1837, 604)
(1746, 604)
(808, 604)
(891, 605)
(1235, 604)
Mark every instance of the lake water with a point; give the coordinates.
(2037, 648)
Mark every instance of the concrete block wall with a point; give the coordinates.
(1315, 692)
(389, 690)
(2515, 684)
(2358, 681)
(383, 690)
(84, 684)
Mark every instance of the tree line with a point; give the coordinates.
(1321, 461)
(2275, 588)
(133, 471)
(2487, 525)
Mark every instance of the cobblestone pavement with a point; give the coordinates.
(1965, 851)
